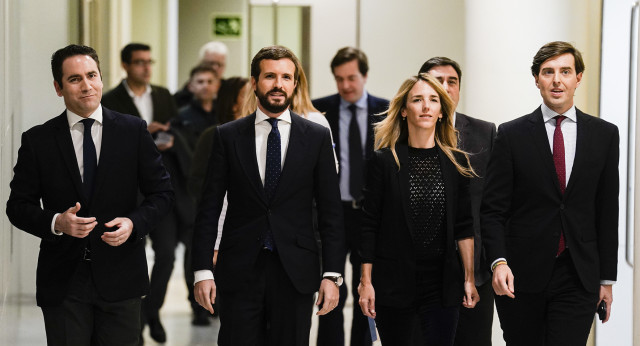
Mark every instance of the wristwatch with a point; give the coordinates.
(336, 280)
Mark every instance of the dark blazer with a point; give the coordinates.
(387, 232)
(164, 106)
(47, 170)
(309, 173)
(330, 106)
(524, 211)
(476, 138)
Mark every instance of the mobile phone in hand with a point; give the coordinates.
(602, 310)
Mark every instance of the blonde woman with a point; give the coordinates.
(417, 234)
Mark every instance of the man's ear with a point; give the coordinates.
(58, 88)
(579, 78)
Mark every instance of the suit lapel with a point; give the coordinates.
(403, 180)
(448, 170)
(296, 151)
(246, 150)
(371, 107)
(65, 145)
(582, 147)
(333, 117)
(541, 142)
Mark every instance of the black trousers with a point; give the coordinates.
(417, 325)
(562, 314)
(84, 318)
(474, 325)
(164, 240)
(268, 311)
(331, 325)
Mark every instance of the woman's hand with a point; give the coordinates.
(471, 297)
(367, 299)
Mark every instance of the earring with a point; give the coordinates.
(404, 118)
(439, 120)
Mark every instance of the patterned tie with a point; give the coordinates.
(89, 158)
(272, 173)
(558, 160)
(356, 173)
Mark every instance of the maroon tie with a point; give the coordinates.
(558, 161)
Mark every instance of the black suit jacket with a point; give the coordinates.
(387, 230)
(476, 138)
(164, 106)
(47, 170)
(330, 106)
(308, 174)
(524, 211)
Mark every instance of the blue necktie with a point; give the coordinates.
(272, 173)
(356, 164)
(90, 159)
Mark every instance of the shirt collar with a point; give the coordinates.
(130, 92)
(548, 114)
(361, 103)
(260, 116)
(74, 118)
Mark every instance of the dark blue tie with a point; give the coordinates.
(89, 158)
(356, 164)
(272, 173)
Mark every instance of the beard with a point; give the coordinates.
(273, 107)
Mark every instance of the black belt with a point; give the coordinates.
(352, 204)
(86, 254)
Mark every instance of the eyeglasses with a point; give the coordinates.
(143, 62)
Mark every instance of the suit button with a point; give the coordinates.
(562, 206)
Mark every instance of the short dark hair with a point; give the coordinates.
(202, 68)
(441, 61)
(273, 53)
(71, 50)
(347, 54)
(553, 49)
(127, 52)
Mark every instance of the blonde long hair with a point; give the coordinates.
(393, 129)
(300, 104)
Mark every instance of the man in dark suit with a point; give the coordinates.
(550, 211)
(475, 136)
(273, 165)
(351, 115)
(76, 187)
(155, 105)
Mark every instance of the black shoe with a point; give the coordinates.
(201, 317)
(156, 330)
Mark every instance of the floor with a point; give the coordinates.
(175, 314)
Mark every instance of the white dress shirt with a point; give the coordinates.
(144, 102)
(76, 127)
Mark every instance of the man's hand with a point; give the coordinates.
(329, 294)
(503, 281)
(205, 292)
(471, 297)
(606, 294)
(367, 299)
(70, 224)
(120, 235)
(155, 126)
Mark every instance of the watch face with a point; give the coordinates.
(339, 281)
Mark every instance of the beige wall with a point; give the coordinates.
(194, 28)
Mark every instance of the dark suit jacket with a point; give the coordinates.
(47, 170)
(330, 106)
(164, 106)
(387, 230)
(524, 211)
(476, 138)
(309, 173)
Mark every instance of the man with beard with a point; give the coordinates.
(273, 165)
